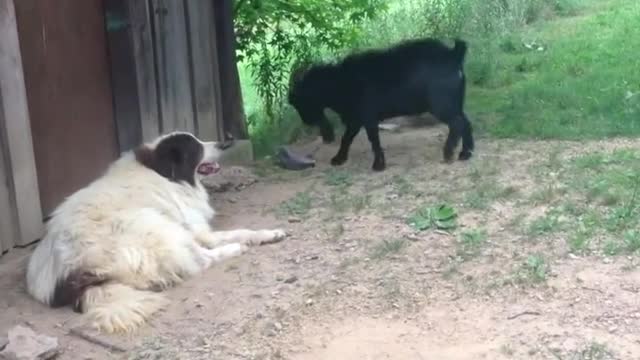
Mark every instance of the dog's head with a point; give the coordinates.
(181, 156)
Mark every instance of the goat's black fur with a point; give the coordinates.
(411, 78)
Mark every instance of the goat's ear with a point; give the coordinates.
(298, 72)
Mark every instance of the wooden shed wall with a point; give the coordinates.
(20, 211)
(166, 55)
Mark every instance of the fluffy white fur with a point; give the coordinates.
(139, 231)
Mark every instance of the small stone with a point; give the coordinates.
(612, 329)
(309, 302)
(412, 237)
(291, 279)
(25, 344)
(277, 326)
(294, 219)
(279, 278)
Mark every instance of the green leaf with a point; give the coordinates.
(446, 224)
(444, 212)
(420, 223)
(441, 217)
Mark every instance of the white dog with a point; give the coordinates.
(142, 227)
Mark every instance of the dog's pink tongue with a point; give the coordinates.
(208, 168)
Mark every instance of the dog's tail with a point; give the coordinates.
(118, 308)
(460, 50)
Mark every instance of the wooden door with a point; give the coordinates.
(66, 68)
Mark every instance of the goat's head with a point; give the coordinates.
(306, 95)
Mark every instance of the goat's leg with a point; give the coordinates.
(455, 130)
(373, 133)
(342, 155)
(467, 139)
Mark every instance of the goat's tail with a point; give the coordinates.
(118, 308)
(460, 50)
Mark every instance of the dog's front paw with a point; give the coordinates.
(275, 236)
(279, 235)
(236, 249)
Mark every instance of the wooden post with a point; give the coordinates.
(204, 69)
(172, 61)
(8, 228)
(123, 74)
(17, 142)
(146, 67)
(232, 108)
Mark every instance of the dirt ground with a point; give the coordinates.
(355, 281)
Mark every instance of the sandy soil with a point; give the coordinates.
(354, 281)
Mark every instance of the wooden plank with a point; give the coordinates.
(66, 72)
(141, 28)
(204, 68)
(8, 229)
(18, 130)
(172, 58)
(232, 108)
(123, 74)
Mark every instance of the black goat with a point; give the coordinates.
(411, 78)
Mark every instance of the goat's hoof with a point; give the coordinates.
(379, 166)
(338, 160)
(465, 155)
(448, 157)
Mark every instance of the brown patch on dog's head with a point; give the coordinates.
(176, 157)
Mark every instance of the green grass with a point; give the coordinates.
(342, 201)
(534, 269)
(486, 193)
(548, 223)
(387, 248)
(299, 205)
(338, 177)
(471, 242)
(594, 351)
(583, 85)
(598, 208)
(579, 242)
(578, 79)
(610, 184)
(402, 186)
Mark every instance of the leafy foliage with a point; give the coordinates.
(274, 35)
(440, 217)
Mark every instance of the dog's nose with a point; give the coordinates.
(223, 145)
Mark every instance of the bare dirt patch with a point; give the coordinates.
(355, 281)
